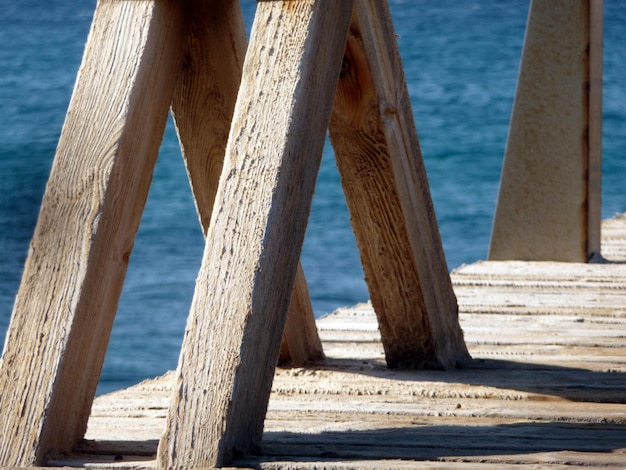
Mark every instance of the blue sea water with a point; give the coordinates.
(461, 61)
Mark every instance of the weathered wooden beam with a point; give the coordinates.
(378, 155)
(89, 216)
(238, 313)
(203, 105)
(549, 199)
(205, 95)
(301, 344)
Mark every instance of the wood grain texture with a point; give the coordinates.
(256, 231)
(90, 213)
(545, 389)
(205, 95)
(301, 344)
(384, 180)
(613, 243)
(202, 107)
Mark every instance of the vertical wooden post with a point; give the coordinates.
(254, 240)
(203, 105)
(378, 155)
(90, 213)
(549, 200)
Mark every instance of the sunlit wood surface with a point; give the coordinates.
(547, 386)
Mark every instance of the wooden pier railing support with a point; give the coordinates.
(254, 240)
(89, 216)
(252, 164)
(94, 199)
(301, 344)
(549, 200)
(378, 155)
(202, 107)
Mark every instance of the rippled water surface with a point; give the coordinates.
(461, 62)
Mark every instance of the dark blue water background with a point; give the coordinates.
(461, 62)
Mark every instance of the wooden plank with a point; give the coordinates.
(525, 401)
(586, 292)
(531, 409)
(384, 180)
(90, 213)
(372, 414)
(438, 438)
(542, 271)
(202, 107)
(254, 240)
(614, 238)
(543, 206)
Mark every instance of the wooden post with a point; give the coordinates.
(549, 200)
(377, 149)
(301, 343)
(203, 105)
(205, 95)
(254, 240)
(92, 205)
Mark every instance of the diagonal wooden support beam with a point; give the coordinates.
(205, 95)
(90, 213)
(256, 232)
(378, 155)
(203, 105)
(301, 343)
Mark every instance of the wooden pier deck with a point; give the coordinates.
(547, 387)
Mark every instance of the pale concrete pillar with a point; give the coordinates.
(549, 200)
